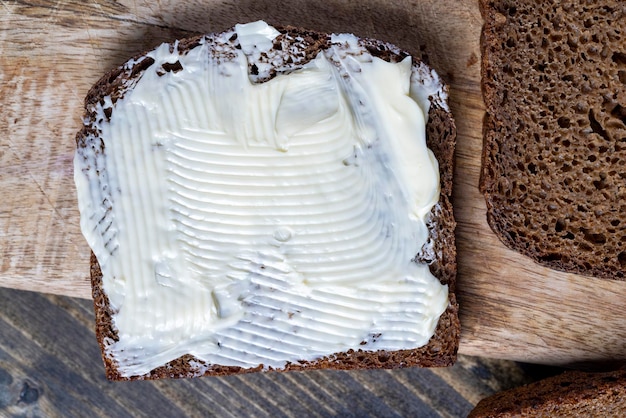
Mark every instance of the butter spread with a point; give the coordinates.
(248, 223)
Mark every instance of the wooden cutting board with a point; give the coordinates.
(51, 52)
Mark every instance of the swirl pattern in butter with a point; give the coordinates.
(255, 223)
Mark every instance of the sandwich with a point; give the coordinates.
(269, 199)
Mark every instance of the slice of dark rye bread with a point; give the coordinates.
(570, 394)
(441, 138)
(554, 156)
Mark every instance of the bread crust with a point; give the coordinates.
(441, 139)
(570, 394)
(554, 133)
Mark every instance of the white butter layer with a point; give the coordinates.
(267, 223)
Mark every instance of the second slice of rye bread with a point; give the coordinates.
(442, 348)
(554, 156)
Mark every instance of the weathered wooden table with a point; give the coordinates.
(51, 52)
(50, 366)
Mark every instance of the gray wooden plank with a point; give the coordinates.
(429, 386)
(50, 365)
(51, 347)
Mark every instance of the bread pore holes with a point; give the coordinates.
(619, 58)
(560, 225)
(621, 258)
(619, 112)
(596, 127)
(593, 238)
(563, 122)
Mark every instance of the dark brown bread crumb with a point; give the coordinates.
(441, 139)
(571, 394)
(554, 156)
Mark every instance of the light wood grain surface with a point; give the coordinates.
(51, 52)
